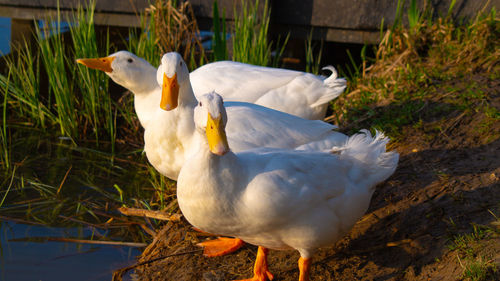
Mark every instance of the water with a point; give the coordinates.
(4, 36)
(25, 253)
(25, 260)
(5, 32)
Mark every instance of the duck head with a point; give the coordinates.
(171, 73)
(210, 119)
(126, 69)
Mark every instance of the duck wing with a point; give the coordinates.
(253, 126)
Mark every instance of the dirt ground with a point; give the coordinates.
(446, 186)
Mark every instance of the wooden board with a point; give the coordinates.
(351, 21)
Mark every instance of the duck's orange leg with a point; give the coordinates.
(220, 246)
(304, 267)
(260, 271)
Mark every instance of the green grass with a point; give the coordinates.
(476, 267)
(479, 269)
(46, 93)
(7, 190)
(144, 42)
(163, 187)
(313, 62)
(66, 181)
(219, 38)
(412, 69)
(76, 100)
(61, 85)
(462, 242)
(22, 85)
(93, 85)
(250, 36)
(413, 15)
(76, 104)
(4, 142)
(353, 70)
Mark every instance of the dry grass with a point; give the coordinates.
(409, 62)
(177, 30)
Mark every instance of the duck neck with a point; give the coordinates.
(209, 184)
(146, 82)
(222, 169)
(145, 104)
(184, 122)
(186, 95)
(147, 96)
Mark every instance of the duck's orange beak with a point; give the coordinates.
(169, 93)
(103, 64)
(216, 136)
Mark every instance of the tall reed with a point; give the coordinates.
(61, 84)
(95, 102)
(312, 62)
(4, 143)
(354, 69)
(219, 40)
(23, 85)
(250, 43)
(144, 42)
(414, 15)
(76, 99)
(163, 188)
(250, 38)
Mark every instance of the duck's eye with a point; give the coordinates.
(180, 63)
(199, 103)
(130, 60)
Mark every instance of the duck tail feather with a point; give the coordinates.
(333, 81)
(335, 87)
(371, 151)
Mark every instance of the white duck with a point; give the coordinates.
(169, 136)
(278, 199)
(294, 92)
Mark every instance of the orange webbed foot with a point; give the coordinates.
(260, 270)
(220, 246)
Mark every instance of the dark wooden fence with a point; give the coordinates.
(348, 21)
